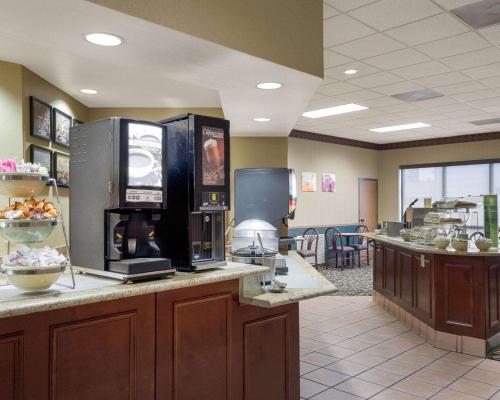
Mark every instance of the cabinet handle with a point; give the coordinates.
(422, 261)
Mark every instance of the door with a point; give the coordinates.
(368, 202)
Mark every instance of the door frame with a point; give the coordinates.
(359, 198)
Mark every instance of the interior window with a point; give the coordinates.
(419, 183)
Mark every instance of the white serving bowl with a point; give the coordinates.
(22, 184)
(33, 279)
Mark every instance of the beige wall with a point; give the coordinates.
(286, 32)
(390, 160)
(347, 163)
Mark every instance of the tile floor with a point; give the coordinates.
(351, 349)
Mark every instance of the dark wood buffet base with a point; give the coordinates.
(186, 344)
(451, 300)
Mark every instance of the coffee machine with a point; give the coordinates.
(197, 191)
(118, 197)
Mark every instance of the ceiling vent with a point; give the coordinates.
(489, 121)
(480, 14)
(417, 95)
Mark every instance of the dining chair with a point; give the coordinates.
(309, 246)
(335, 247)
(361, 243)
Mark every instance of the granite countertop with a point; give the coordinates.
(303, 281)
(431, 250)
(93, 289)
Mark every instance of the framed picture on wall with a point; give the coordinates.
(76, 122)
(42, 156)
(40, 119)
(328, 182)
(308, 181)
(61, 169)
(62, 123)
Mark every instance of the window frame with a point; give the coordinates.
(491, 162)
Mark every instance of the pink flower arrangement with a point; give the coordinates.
(8, 166)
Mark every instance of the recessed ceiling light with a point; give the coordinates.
(262, 119)
(326, 112)
(89, 91)
(103, 39)
(400, 127)
(350, 71)
(269, 85)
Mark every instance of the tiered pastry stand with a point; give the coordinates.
(25, 185)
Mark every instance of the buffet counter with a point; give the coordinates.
(450, 298)
(210, 335)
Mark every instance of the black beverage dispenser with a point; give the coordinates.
(197, 191)
(118, 197)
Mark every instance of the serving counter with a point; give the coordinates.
(450, 298)
(210, 335)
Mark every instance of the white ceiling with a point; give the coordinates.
(155, 67)
(403, 45)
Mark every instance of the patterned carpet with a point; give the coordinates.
(350, 282)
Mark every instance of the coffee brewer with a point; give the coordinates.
(198, 191)
(118, 197)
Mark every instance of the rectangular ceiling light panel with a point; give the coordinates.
(326, 112)
(400, 127)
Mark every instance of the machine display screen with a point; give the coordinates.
(213, 156)
(144, 155)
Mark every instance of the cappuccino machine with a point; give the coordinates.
(197, 191)
(118, 198)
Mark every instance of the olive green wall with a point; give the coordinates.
(256, 152)
(151, 114)
(286, 32)
(11, 123)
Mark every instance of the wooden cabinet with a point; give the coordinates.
(194, 348)
(208, 346)
(404, 280)
(11, 366)
(423, 268)
(186, 344)
(460, 303)
(493, 296)
(378, 267)
(390, 271)
(268, 347)
(99, 351)
(458, 294)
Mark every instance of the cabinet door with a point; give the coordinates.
(460, 300)
(405, 279)
(103, 351)
(378, 267)
(194, 342)
(389, 283)
(11, 366)
(266, 352)
(493, 295)
(424, 294)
